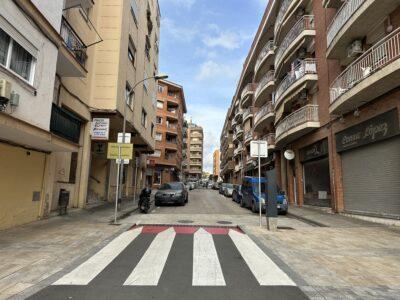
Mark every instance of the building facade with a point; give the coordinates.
(165, 165)
(194, 140)
(318, 85)
(216, 163)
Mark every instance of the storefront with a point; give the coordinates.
(370, 154)
(316, 177)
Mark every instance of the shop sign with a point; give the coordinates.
(99, 149)
(316, 150)
(373, 130)
(100, 129)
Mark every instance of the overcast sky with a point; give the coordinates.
(203, 45)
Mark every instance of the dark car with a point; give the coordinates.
(237, 193)
(172, 193)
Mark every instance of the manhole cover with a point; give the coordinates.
(185, 221)
(224, 222)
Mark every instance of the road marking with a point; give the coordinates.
(206, 267)
(149, 269)
(263, 268)
(88, 270)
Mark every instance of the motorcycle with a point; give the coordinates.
(144, 200)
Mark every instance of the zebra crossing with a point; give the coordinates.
(173, 260)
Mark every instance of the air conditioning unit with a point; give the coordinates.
(5, 89)
(355, 48)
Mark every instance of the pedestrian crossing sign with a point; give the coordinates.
(114, 149)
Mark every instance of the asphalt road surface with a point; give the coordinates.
(160, 261)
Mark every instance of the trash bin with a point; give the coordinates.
(63, 201)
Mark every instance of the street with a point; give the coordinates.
(177, 258)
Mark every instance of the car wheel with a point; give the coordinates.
(254, 207)
(242, 204)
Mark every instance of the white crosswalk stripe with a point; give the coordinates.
(149, 269)
(263, 268)
(206, 267)
(87, 271)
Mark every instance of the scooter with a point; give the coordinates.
(144, 200)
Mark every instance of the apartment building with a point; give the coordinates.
(216, 163)
(195, 138)
(318, 85)
(165, 165)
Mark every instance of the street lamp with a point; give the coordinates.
(119, 192)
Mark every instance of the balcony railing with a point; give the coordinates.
(308, 113)
(282, 10)
(247, 112)
(64, 124)
(268, 77)
(305, 23)
(248, 89)
(269, 46)
(378, 56)
(248, 136)
(307, 66)
(348, 8)
(73, 42)
(270, 139)
(265, 109)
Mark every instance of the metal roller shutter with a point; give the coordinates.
(371, 179)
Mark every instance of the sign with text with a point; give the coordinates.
(127, 139)
(114, 149)
(100, 129)
(258, 148)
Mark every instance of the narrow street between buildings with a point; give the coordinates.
(209, 249)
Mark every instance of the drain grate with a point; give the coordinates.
(185, 221)
(224, 222)
(285, 228)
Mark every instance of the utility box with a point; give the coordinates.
(63, 202)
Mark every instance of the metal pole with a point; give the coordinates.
(259, 183)
(121, 170)
(117, 190)
(134, 182)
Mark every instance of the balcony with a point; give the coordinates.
(264, 116)
(72, 55)
(247, 113)
(247, 94)
(196, 142)
(297, 124)
(249, 160)
(65, 124)
(373, 74)
(195, 171)
(196, 163)
(332, 3)
(229, 166)
(270, 139)
(286, 17)
(248, 137)
(238, 115)
(264, 88)
(172, 128)
(238, 167)
(299, 36)
(304, 76)
(354, 20)
(238, 150)
(171, 145)
(83, 3)
(264, 58)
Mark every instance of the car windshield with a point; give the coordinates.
(229, 185)
(255, 186)
(171, 186)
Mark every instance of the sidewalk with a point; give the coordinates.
(32, 253)
(338, 257)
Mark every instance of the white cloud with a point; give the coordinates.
(178, 32)
(181, 3)
(217, 70)
(226, 39)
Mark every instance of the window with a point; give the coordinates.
(160, 104)
(14, 57)
(129, 95)
(73, 166)
(145, 83)
(158, 137)
(147, 47)
(160, 88)
(159, 120)
(144, 118)
(134, 10)
(152, 129)
(157, 177)
(132, 53)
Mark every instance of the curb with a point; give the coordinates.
(306, 220)
(124, 214)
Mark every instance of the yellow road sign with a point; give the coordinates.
(113, 151)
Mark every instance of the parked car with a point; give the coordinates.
(192, 186)
(215, 186)
(250, 193)
(237, 193)
(221, 188)
(228, 191)
(210, 185)
(172, 193)
(282, 203)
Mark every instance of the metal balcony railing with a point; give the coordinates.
(269, 46)
(348, 8)
(305, 23)
(282, 10)
(247, 112)
(268, 77)
(73, 42)
(64, 124)
(308, 113)
(378, 56)
(265, 109)
(307, 66)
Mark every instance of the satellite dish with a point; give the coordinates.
(289, 154)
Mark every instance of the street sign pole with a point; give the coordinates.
(259, 183)
(119, 161)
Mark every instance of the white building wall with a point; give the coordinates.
(35, 98)
(52, 10)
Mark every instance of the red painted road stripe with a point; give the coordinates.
(185, 229)
(154, 229)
